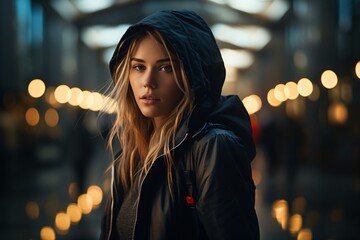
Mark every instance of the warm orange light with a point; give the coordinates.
(36, 88)
(96, 194)
(295, 223)
(98, 102)
(74, 212)
(47, 233)
(280, 212)
(279, 92)
(62, 221)
(357, 69)
(85, 202)
(305, 234)
(272, 99)
(252, 103)
(51, 117)
(315, 95)
(88, 100)
(32, 210)
(337, 113)
(62, 94)
(32, 116)
(305, 87)
(76, 97)
(329, 79)
(290, 90)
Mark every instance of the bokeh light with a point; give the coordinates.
(85, 202)
(62, 222)
(295, 223)
(51, 117)
(74, 212)
(290, 90)
(357, 69)
(337, 113)
(62, 94)
(305, 87)
(329, 79)
(272, 100)
(76, 97)
(32, 210)
(305, 234)
(280, 211)
(252, 103)
(36, 88)
(279, 92)
(98, 102)
(32, 116)
(88, 100)
(96, 194)
(47, 233)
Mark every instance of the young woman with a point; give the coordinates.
(183, 171)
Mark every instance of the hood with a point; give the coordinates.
(195, 45)
(231, 113)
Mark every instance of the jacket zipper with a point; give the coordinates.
(138, 199)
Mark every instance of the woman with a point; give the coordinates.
(184, 167)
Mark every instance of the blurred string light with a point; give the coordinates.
(64, 219)
(63, 94)
(47, 233)
(357, 69)
(280, 212)
(305, 87)
(85, 202)
(290, 90)
(272, 100)
(295, 223)
(62, 222)
(337, 113)
(32, 116)
(51, 117)
(305, 234)
(252, 103)
(32, 210)
(36, 88)
(329, 79)
(74, 212)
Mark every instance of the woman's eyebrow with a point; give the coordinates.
(158, 61)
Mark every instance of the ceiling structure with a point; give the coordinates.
(241, 27)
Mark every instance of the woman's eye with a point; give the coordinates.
(138, 67)
(166, 68)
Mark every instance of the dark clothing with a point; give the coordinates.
(215, 143)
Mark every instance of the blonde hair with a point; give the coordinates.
(140, 142)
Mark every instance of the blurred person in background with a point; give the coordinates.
(184, 170)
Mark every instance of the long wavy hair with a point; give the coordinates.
(140, 142)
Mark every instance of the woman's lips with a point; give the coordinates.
(149, 99)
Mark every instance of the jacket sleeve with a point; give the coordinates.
(225, 188)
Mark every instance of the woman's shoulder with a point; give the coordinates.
(215, 137)
(210, 131)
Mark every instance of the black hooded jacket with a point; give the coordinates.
(212, 153)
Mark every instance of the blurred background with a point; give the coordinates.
(294, 63)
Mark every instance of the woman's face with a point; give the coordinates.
(152, 80)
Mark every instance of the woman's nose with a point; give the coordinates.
(150, 79)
